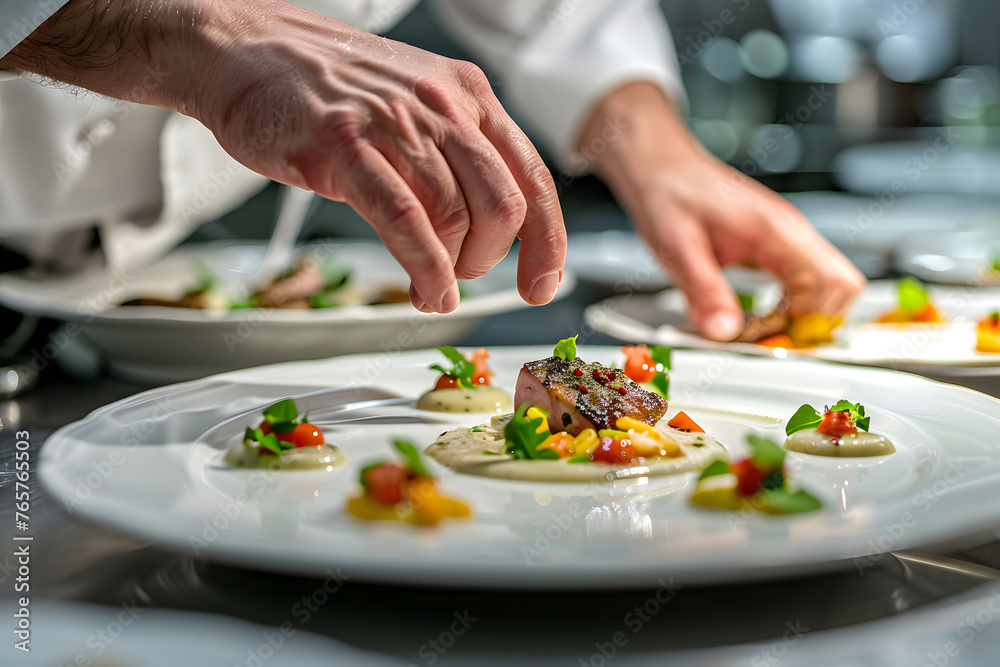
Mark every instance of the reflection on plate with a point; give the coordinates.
(967, 257)
(68, 633)
(945, 348)
(157, 344)
(168, 484)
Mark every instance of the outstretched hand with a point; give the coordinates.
(416, 143)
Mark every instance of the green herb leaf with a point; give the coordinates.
(206, 278)
(789, 503)
(912, 294)
(477, 429)
(746, 301)
(270, 441)
(335, 275)
(412, 458)
(282, 411)
(579, 458)
(714, 468)
(662, 383)
(856, 411)
(651, 386)
(661, 356)
(805, 417)
(489, 453)
(522, 439)
(765, 453)
(566, 348)
(322, 300)
(462, 369)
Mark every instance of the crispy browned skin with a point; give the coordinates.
(759, 327)
(553, 385)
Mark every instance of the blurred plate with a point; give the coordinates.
(615, 259)
(958, 257)
(167, 482)
(944, 349)
(157, 344)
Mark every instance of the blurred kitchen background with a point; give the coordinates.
(869, 114)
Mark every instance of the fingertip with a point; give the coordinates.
(721, 325)
(544, 289)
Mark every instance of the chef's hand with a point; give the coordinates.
(416, 143)
(698, 214)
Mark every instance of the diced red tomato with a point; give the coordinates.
(386, 483)
(303, 435)
(614, 451)
(446, 382)
(748, 477)
(639, 366)
(837, 423)
(482, 374)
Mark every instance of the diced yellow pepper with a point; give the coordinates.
(537, 413)
(586, 442)
(661, 445)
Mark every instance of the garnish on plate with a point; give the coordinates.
(914, 305)
(650, 367)
(758, 482)
(403, 491)
(835, 432)
(988, 333)
(284, 439)
(573, 412)
(465, 385)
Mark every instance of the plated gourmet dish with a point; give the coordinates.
(841, 430)
(578, 421)
(758, 483)
(284, 440)
(465, 386)
(781, 329)
(309, 284)
(405, 492)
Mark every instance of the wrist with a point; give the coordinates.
(632, 136)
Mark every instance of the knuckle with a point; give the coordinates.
(472, 77)
(401, 216)
(342, 126)
(511, 208)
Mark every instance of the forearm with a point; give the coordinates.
(632, 132)
(147, 51)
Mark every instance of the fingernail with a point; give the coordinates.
(722, 325)
(451, 299)
(545, 288)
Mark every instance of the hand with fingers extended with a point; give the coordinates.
(698, 215)
(416, 143)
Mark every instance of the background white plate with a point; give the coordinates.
(157, 345)
(947, 349)
(962, 257)
(146, 466)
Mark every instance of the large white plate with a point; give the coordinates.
(942, 349)
(151, 466)
(156, 344)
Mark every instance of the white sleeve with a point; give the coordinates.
(557, 59)
(19, 18)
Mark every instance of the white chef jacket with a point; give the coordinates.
(145, 176)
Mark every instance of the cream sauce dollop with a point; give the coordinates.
(468, 399)
(247, 454)
(862, 443)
